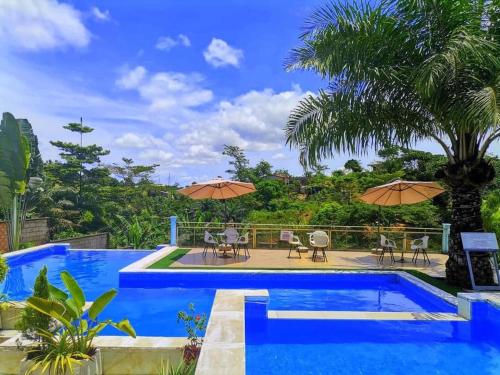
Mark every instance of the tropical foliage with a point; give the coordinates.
(14, 163)
(195, 325)
(403, 71)
(61, 349)
(182, 368)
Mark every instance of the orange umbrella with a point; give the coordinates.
(218, 188)
(401, 192)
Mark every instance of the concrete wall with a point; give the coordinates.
(91, 241)
(35, 230)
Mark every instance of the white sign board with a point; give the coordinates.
(478, 241)
(286, 235)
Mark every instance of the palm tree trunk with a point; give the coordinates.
(466, 217)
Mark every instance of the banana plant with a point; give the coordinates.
(14, 163)
(63, 349)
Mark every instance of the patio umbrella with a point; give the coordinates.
(218, 188)
(401, 192)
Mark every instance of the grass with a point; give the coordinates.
(434, 281)
(169, 259)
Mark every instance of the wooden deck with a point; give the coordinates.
(278, 259)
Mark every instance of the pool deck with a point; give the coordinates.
(278, 259)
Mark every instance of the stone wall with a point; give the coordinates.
(35, 231)
(91, 241)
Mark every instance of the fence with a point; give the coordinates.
(35, 231)
(341, 237)
(91, 241)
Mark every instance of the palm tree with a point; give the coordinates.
(404, 71)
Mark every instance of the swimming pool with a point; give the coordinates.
(279, 346)
(151, 300)
(95, 270)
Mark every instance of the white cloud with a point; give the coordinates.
(133, 140)
(167, 90)
(100, 15)
(157, 156)
(254, 121)
(131, 79)
(41, 24)
(166, 43)
(219, 54)
(279, 156)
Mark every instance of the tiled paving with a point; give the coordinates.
(278, 259)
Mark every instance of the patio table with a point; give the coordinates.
(223, 246)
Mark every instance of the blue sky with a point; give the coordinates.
(166, 82)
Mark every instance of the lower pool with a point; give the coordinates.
(278, 346)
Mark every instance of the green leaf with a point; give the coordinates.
(53, 309)
(100, 303)
(57, 294)
(74, 289)
(125, 327)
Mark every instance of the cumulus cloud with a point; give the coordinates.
(100, 15)
(166, 90)
(253, 121)
(131, 79)
(41, 24)
(157, 156)
(133, 140)
(219, 54)
(166, 43)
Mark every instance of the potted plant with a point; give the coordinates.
(195, 325)
(68, 348)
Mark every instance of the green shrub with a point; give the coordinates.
(33, 320)
(4, 268)
(491, 212)
(59, 352)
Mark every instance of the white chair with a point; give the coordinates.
(387, 246)
(210, 241)
(420, 245)
(296, 244)
(319, 240)
(232, 237)
(243, 243)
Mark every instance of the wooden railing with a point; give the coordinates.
(341, 237)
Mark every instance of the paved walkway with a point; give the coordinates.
(278, 258)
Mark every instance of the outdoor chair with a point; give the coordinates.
(296, 244)
(243, 243)
(319, 241)
(210, 241)
(232, 237)
(420, 245)
(387, 246)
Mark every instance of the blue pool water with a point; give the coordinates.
(309, 291)
(278, 346)
(151, 301)
(96, 271)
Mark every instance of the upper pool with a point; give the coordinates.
(95, 270)
(151, 300)
(349, 291)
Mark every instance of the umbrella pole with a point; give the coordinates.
(225, 214)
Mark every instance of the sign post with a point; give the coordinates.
(478, 242)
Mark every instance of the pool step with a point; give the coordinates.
(361, 315)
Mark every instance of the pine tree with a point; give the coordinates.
(31, 320)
